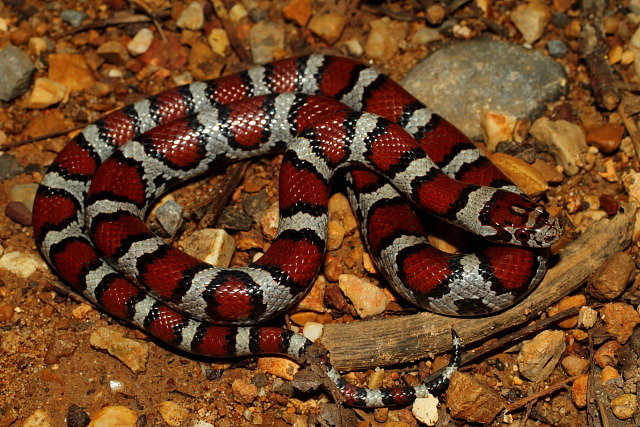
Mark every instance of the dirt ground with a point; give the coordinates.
(50, 370)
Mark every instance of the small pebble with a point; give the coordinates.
(281, 367)
(471, 400)
(620, 320)
(141, 42)
(579, 391)
(313, 330)
(587, 317)
(244, 392)
(565, 142)
(608, 373)
(39, 418)
(314, 299)
(381, 415)
(237, 13)
(60, 346)
(539, 356)
(6, 311)
(247, 240)
(9, 167)
(332, 268)
(114, 416)
(565, 304)
(328, 26)
(496, 127)
(557, 48)
(353, 47)
(426, 410)
(71, 70)
(266, 40)
(76, 416)
(424, 36)
(191, 18)
(531, 19)
(169, 216)
(298, 11)
(335, 236)
(18, 213)
(45, 93)
(132, 353)
(73, 17)
(612, 278)
(172, 413)
(367, 298)
(213, 246)
(22, 265)
(575, 365)
(624, 406)
(219, 41)
(113, 52)
(606, 137)
(385, 38)
(605, 355)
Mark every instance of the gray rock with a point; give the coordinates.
(73, 17)
(557, 48)
(16, 70)
(169, 215)
(9, 167)
(461, 80)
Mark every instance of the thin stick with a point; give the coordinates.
(542, 393)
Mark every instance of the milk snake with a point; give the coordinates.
(101, 186)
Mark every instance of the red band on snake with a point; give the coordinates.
(185, 303)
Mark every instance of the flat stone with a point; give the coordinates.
(46, 92)
(472, 400)
(564, 140)
(133, 353)
(540, 355)
(461, 80)
(114, 416)
(71, 70)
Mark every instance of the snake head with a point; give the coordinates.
(519, 221)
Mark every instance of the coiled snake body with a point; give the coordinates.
(326, 114)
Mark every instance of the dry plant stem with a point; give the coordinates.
(39, 138)
(630, 125)
(368, 344)
(221, 194)
(593, 46)
(119, 20)
(473, 355)
(236, 44)
(542, 393)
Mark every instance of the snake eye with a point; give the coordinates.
(522, 235)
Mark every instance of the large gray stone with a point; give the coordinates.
(16, 70)
(461, 80)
